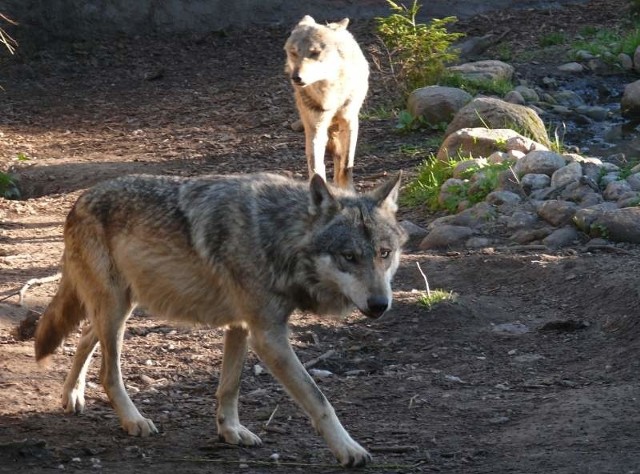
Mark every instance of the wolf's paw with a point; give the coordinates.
(238, 434)
(73, 401)
(352, 455)
(139, 427)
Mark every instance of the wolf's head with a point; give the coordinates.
(356, 244)
(313, 51)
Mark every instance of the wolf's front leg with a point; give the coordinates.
(273, 347)
(229, 428)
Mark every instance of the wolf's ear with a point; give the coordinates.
(307, 20)
(386, 195)
(339, 25)
(321, 198)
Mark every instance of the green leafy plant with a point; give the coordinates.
(8, 188)
(419, 52)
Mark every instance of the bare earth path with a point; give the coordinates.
(446, 390)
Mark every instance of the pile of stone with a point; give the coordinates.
(545, 197)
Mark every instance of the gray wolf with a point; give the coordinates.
(242, 252)
(330, 78)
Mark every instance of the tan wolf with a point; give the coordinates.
(241, 252)
(330, 78)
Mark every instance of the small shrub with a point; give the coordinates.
(419, 52)
(8, 188)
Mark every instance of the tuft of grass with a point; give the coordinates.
(429, 297)
(477, 86)
(435, 297)
(554, 38)
(432, 174)
(424, 189)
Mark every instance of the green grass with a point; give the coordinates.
(424, 190)
(477, 86)
(434, 297)
(553, 39)
(607, 44)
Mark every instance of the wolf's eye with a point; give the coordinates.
(349, 256)
(314, 54)
(384, 253)
(293, 54)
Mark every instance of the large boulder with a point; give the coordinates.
(437, 104)
(490, 112)
(630, 102)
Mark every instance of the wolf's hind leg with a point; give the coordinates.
(229, 428)
(109, 320)
(73, 390)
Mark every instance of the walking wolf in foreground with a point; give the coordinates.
(241, 252)
(330, 78)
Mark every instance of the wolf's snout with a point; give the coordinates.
(296, 79)
(376, 306)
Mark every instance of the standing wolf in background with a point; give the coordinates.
(241, 252)
(330, 78)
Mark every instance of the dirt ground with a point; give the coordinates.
(534, 368)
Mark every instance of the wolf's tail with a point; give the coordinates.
(63, 315)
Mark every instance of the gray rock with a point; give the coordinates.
(499, 198)
(526, 236)
(491, 70)
(475, 216)
(533, 181)
(568, 98)
(415, 234)
(515, 97)
(630, 199)
(625, 61)
(562, 237)
(630, 102)
(616, 189)
(463, 167)
(574, 68)
(619, 225)
(609, 178)
(557, 213)
(539, 162)
(529, 95)
(567, 174)
(634, 181)
(446, 236)
(594, 112)
(521, 220)
(476, 142)
(437, 104)
(478, 242)
(495, 113)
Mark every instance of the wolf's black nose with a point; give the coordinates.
(377, 305)
(296, 79)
